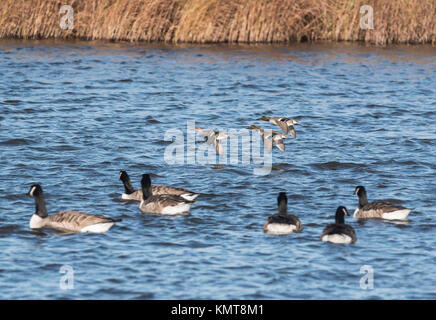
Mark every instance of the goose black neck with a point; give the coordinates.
(363, 200)
(282, 204)
(128, 188)
(40, 208)
(339, 218)
(146, 187)
(146, 193)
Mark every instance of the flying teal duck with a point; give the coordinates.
(286, 124)
(270, 139)
(214, 138)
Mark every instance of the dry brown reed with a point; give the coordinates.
(204, 21)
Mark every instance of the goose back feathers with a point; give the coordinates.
(67, 221)
(339, 232)
(161, 204)
(282, 222)
(136, 195)
(378, 209)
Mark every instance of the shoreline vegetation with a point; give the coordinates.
(222, 21)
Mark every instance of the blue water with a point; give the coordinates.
(75, 113)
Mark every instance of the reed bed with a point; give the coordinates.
(214, 21)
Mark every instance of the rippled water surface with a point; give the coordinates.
(74, 114)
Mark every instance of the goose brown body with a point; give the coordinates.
(74, 221)
(136, 195)
(339, 232)
(282, 222)
(67, 221)
(161, 204)
(378, 209)
(162, 190)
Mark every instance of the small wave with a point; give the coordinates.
(16, 142)
(167, 244)
(151, 120)
(370, 105)
(424, 141)
(250, 86)
(396, 162)
(16, 102)
(163, 143)
(64, 147)
(142, 296)
(11, 196)
(9, 229)
(335, 165)
(195, 220)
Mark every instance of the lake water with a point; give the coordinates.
(75, 113)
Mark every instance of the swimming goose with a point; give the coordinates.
(136, 195)
(213, 137)
(339, 232)
(164, 203)
(273, 138)
(286, 124)
(378, 209)
(282, 222)
(67, 221)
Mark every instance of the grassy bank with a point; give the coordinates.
(395, 21)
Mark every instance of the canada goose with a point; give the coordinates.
(136, 195)
(164, 203)
(67, 221)
(282, 222)
(286, 124)
(213, 137)
(274, 138)
(339, 232)
(378, 209)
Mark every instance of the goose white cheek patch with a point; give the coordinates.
(32, 191)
